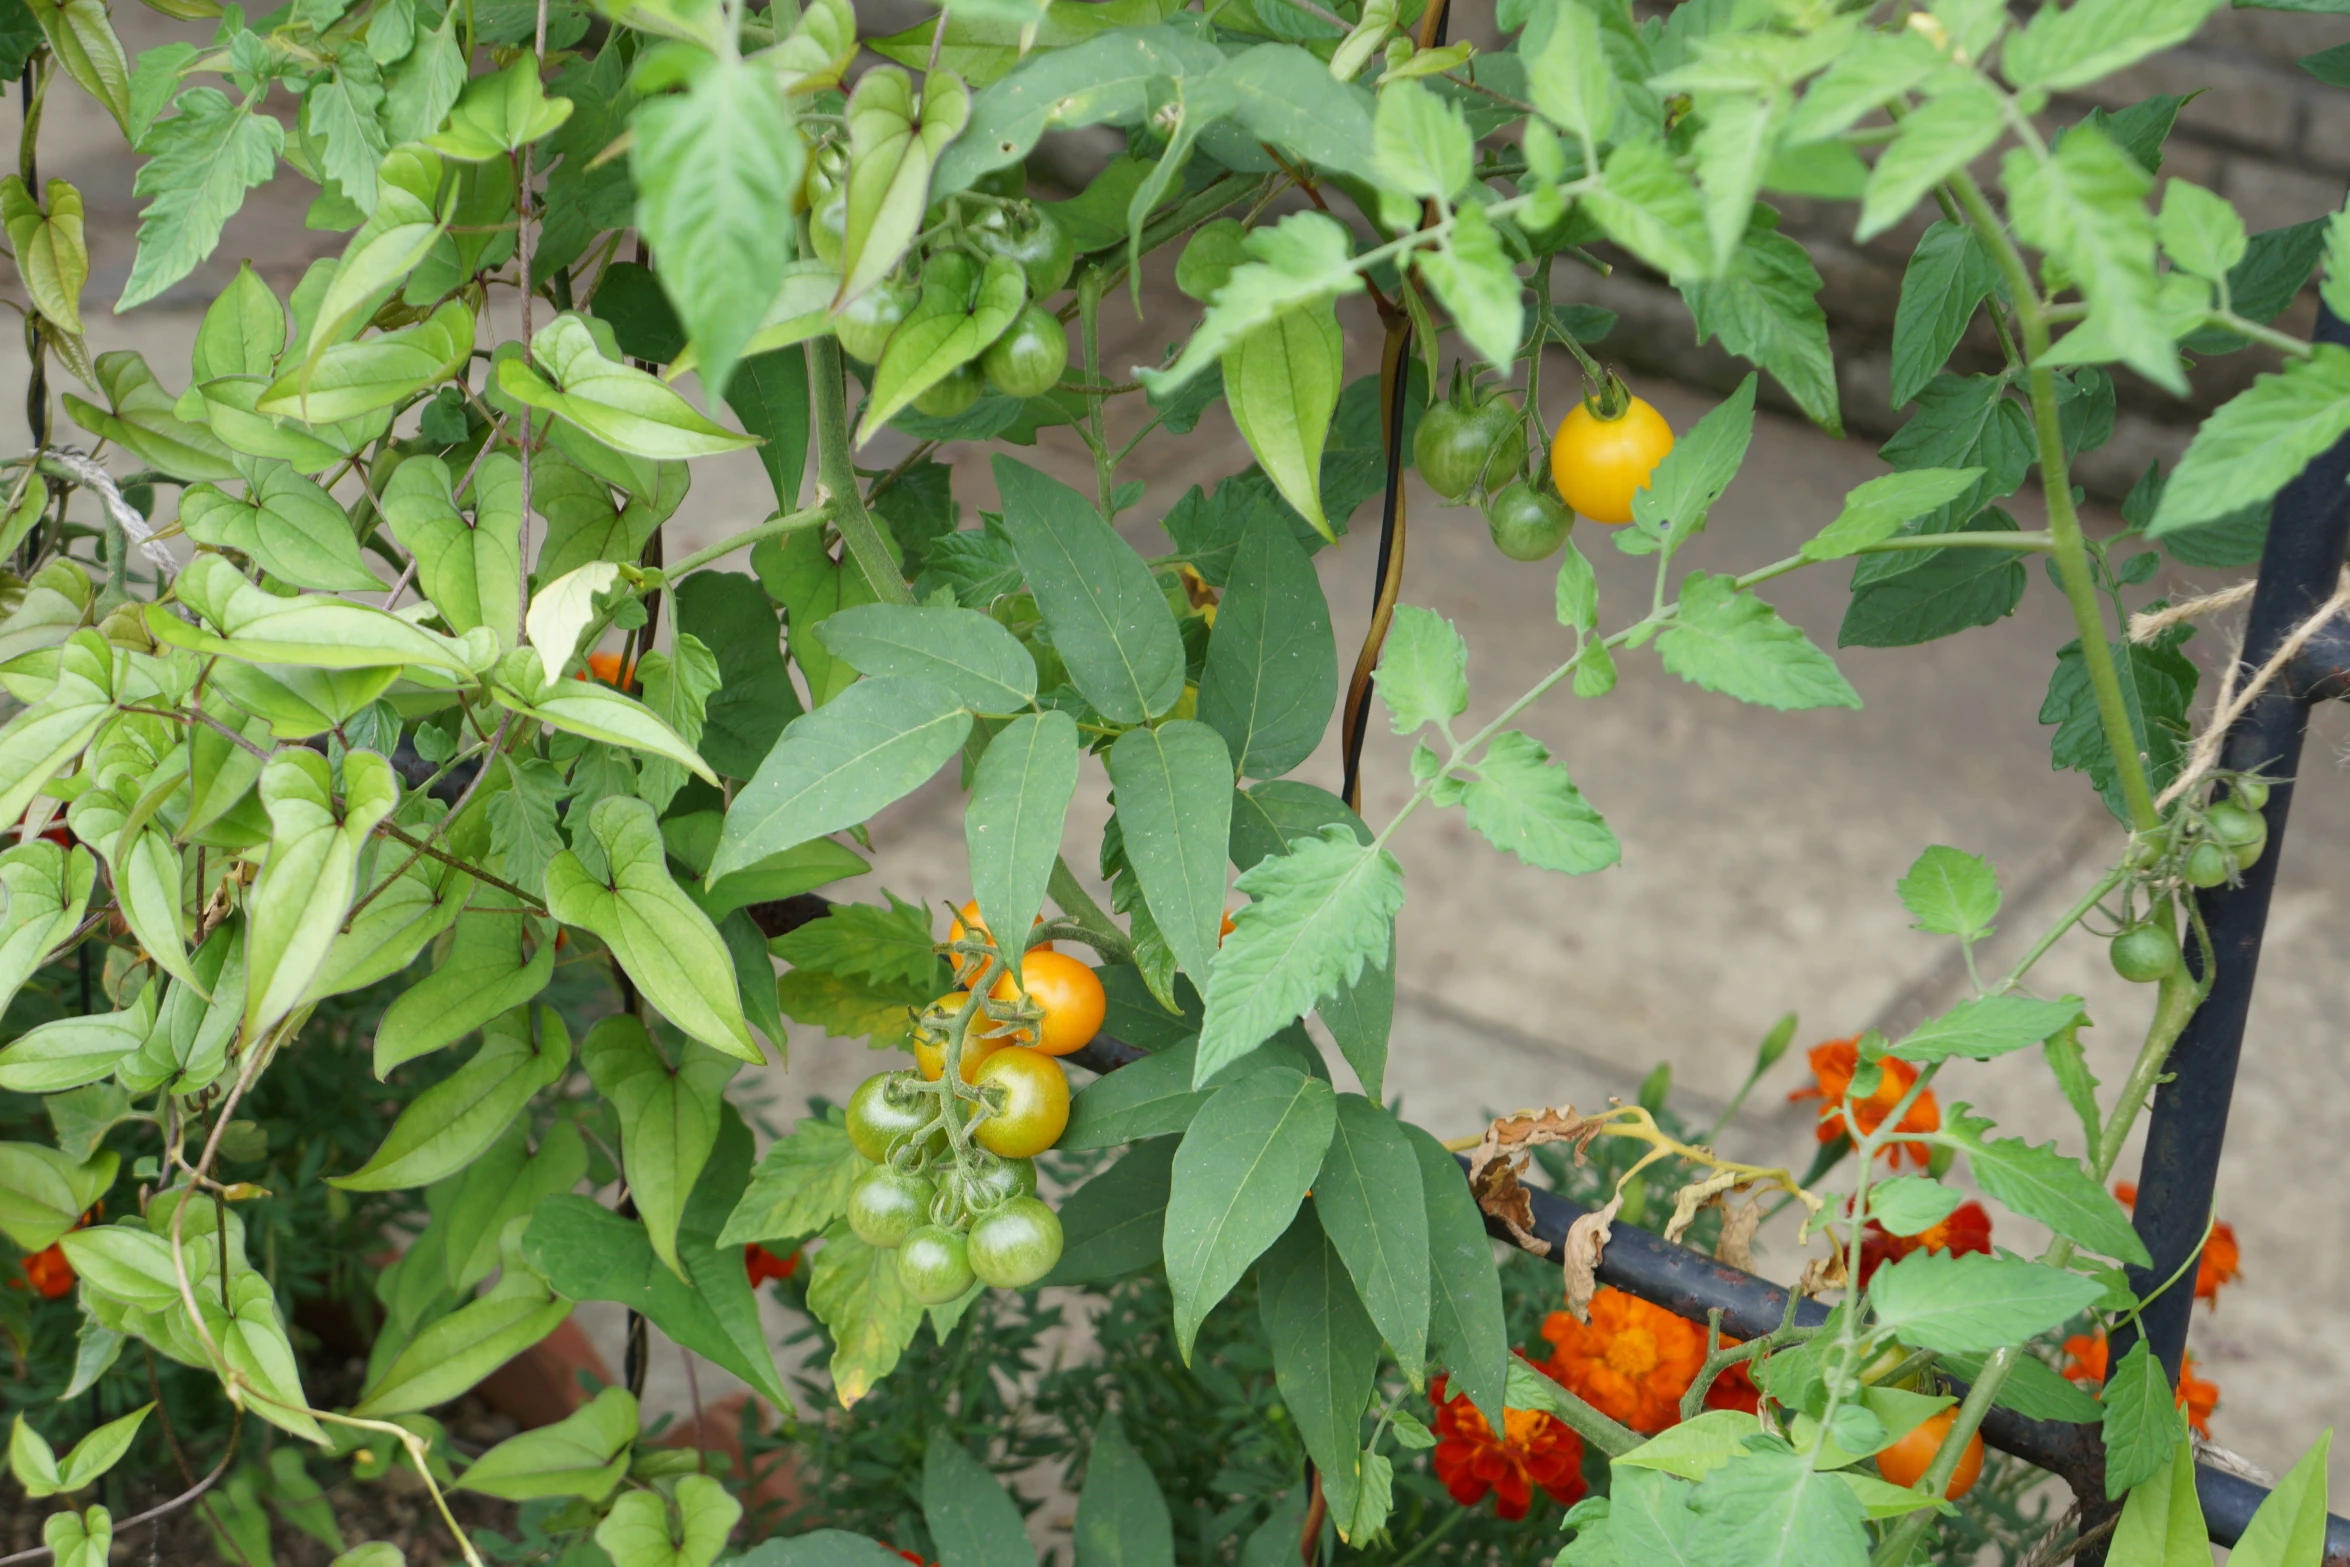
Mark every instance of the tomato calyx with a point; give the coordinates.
(1611, 401)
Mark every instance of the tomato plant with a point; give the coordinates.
(360, 673)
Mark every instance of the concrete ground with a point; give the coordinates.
(1760, 849)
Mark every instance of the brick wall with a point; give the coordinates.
(2261, 132)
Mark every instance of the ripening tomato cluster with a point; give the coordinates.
(1474, 444)
(2219, 843)
(956, 1216)
(1029, 356)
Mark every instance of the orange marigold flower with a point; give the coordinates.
(1832, 1067)
(1632, 1362)
(2222, 1260)
(1535, 1449)
(762, 1265)
(1735, 1389)
(49, 1273)
(2085, 1361)
(1967, 1229)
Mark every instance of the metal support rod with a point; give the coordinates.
(2299, 567)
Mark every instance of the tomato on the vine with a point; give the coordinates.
(1034, 238)
(2241, 832)
(2250, 793)
(968, 926)
(984, 1039)
(934, 1265)
(2143, 954)
(1016, 1244)
(888, 1204)
(951, 394)
(1034, 1108)
(1907, 1460)
(2207, 865)
(882, 1111)
(1599, 464)
(1071, 995)
(983, 1185)
(865, 324)
(1028, 359)
(1463, 445)
(1527, 524)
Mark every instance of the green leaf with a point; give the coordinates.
(1875, 509)
(310, 630)
(895, 137)
(1239, 1175)
(200, 163)
(1936, 1301)
(801, 1185)
(1937, 139)
(640, 1531)
(51, 255)
(1767, 1507)
(2258, 439)
(1150, 1097)
(1084, 83)
(891, 946)
(1725, 639)
(452, 1354)
(1271, 675)
(1948, 277)
(972, 1521)
(471, 572)
(1020, 795)
(1283, 95)
(1320, 914)
(1570, 78)
(2158, 687)
(1423, 670)
(729, 614)
(1281, 381)
(586, 1252)
(1466, 1332)
(2162, 1523)
(1765, 308)
(311, 876)
(668, 1119)
(1114, 1225)
(2070, 46)
(1108, 619)
(1369, 1199)
(962, 650)
(678, 685)
(2289, 1528)
(949, 326)
(1912, 1204)
(1420, 143)
(715, 168)
(1987, 1026)
(455, 1121)
(343, 115)
(1951, 893)
(835, 767)
(660, 936)
(501, 113)
(291, 528)
(619, 405)
(2142, 1425)
(1174, 787)
(1674, 503)
(585, 1454)
(2086, 207)
(1122, 1518)
(44, 1193)
(854, 1291)
(2200, 232)
(1913, 596)
(84, 1539)
(1325, 1349)
(47, 888)
(501, 1186)
(1647, 205)
(2042, 1184)
(1305, 258)
(1524, 806)
(349, 381)
(43, 738)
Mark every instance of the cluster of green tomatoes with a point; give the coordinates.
(2208, 846)
(961, 234)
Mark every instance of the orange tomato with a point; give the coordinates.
(1906, 1461)
(1069, 992)
(1226, 929)
(984, 1040)
(1035, 1107)
(606, 667)
(1599, 464)
(967, 968)
(53, 1276)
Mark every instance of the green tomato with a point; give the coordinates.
(864, 325)
(1016, 1244)
(951, 394)
(1028, 359)
(1461, 446)
(2143, 954)
(990, 1183)
(886, 1108)
(1034, 238)
(888, 1204)
(2207, 865)
(2235, 827)
(2250, 793)
(934, 1265)
(1527, 524)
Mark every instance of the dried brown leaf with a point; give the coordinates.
(1696, 1197)
(1587, 1237)
(1500, 1195)
(1735, 1245)
(1822, 1274)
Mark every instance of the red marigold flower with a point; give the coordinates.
(50, 1273)
(2085, 1361)
(1967, 1229)
(1632, 1362)
(2222, 1259)
(1833, 1065)
(762, 1265)
(1535, 1449)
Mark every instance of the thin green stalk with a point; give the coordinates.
(2064, 524)
(836, 472)
(1089, 324)
(773, 527)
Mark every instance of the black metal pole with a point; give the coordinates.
(2299, 567)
